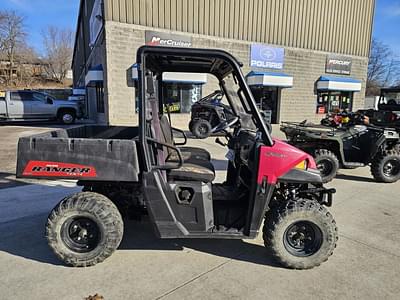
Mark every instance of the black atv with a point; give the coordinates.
(381, 118)
(346, 142)
(209, 115)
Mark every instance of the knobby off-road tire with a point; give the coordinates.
(288, 223)
(327, 163)
(84, 229)
(201, 129)
(190, 125)
(386, 166)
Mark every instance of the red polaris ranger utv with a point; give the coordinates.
(142, 170)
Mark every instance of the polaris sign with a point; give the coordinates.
(336, 64)
(263, 56)
(154, 38)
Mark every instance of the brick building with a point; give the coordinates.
(302, 58)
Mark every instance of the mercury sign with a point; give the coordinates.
(336, 64)
(263, 56)
(154, 38)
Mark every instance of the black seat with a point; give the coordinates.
(194, 170)
(187, 152)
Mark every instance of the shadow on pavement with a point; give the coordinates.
(220, 164)
(24, 237)
(140, 236)
(8, 180)
(355, 178)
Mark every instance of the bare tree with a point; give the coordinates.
(383, 67)
(12, 37)
(58, 44)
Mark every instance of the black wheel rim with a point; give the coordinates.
(81, 234)
(325, 167)
(303, 239)
(203, 129)
(391, 168)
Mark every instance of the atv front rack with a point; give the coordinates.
(293, 129)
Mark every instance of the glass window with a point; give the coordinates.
(334, 101)
(181, 96)
(100, 97)
(21, 96)
(39, 97)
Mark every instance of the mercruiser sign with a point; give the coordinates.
(154, 38)
(264, 56)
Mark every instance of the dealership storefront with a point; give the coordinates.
(292, 76)
(266, 80)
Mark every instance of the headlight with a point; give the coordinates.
(301, 165)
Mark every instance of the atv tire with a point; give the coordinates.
(201, 129)
(300, 234)
(190, 125)
(84, 229)
(386, 166)
(327, 163)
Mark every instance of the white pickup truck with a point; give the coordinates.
(33, 105)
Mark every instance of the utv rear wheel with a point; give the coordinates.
(84, 229)
(327, 164)
(301, 234)
(386, 167)
(201, 129)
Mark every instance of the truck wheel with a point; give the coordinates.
(327, 164)
(301, 234)
(84, 229)
(201, 129)
(67, 117)
(386, 166)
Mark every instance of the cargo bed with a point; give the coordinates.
(90, 152)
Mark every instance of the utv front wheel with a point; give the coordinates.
(386, 167)
(301, 234)
(84, 229)
(201, 129)
(327, 164)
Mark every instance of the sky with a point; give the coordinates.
(387, 23)
(63, 13)
(39, 14)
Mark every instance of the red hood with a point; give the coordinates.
(277, 160)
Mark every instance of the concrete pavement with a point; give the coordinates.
(365, 265)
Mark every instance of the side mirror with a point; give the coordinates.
(49, 100)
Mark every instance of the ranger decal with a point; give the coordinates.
(57, 169)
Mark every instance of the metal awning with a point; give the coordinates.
(192, 78)
(333, 83)
(269, 79)
(95, 74)
(79, 91)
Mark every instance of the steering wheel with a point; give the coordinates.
(225, 124)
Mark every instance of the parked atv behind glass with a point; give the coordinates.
(348, 140)
(142, 170)
(209, 115)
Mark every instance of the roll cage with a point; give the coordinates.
(154, 61)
